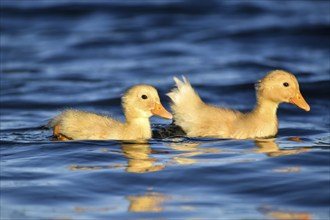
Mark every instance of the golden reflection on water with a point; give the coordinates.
(190, 150)
(138, 160)
(150, 202)
(267, 146)
(287, 170)
(271, 148)
(278, 214)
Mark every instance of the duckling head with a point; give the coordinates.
(280, 86)
(142, 101)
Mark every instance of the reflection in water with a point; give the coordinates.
(138, 156)
(190, 150)
(150, 202)
(77, 167)
(271, 148)
(284, 214)
(139, 160)
(287, 170)
(267, 146)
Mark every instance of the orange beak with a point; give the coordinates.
(299, 101)
(161, 111)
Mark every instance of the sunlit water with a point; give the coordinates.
(79, 54)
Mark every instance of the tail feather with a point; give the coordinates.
(183, 93)
(185, 104)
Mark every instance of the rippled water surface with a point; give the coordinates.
(84, 54)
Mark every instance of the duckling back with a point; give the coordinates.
(82, 125)
(194, 116)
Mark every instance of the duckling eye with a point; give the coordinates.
(286, 84)
(144, 96)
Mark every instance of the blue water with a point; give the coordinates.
(84, 54)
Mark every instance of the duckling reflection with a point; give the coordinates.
(138, 158)
(190, 149)
(150, 202)
(271, 148)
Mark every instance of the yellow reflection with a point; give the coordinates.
(285, 215)
(270, 147)
(287, 170)
(138, 160)
(150, 202)
(77, 167)
(190, 150)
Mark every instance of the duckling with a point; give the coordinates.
(139, 103)
(199, 119)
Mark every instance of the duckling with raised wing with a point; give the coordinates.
(199, 119)
(139, 103)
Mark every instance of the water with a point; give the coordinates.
(84, 54)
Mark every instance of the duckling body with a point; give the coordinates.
(199, 119)
(139, 103)
(226, 123)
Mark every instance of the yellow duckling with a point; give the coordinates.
(139, 103)
(199, 119)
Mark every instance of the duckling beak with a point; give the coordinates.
(299, 101)
(161, 111)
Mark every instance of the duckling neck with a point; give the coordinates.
(263, 119)
(139, 127)
(266, 108)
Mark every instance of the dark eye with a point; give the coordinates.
(286, 84)
(144, 96)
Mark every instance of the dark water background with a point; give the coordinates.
(84, 54)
